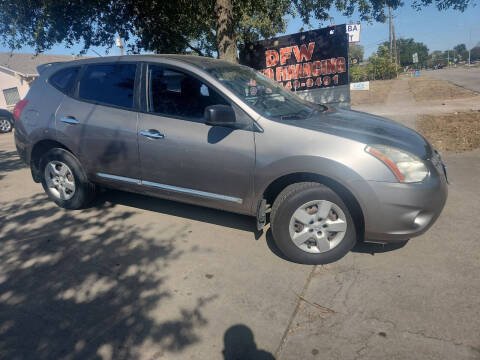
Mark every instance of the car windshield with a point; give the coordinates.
(263, 95)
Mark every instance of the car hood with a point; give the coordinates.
(366, 128)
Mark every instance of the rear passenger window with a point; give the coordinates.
(110, 84)
(63, 79)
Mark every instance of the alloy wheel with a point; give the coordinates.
(5, 125)
(60, 180)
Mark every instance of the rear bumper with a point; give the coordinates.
(397, 212)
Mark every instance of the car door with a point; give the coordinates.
(100, 121)
(183, 157)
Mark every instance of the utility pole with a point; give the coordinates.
(395, 48)
(119, 44)
(469, 45)
(390, 30)
(469, 42)
(448, 58)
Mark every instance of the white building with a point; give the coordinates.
(17, 73)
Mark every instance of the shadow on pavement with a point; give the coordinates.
(374, 248)
(273, 247)
(360, 247)
(9, 161)
(239, 344)
(83, 284)
(187, 211)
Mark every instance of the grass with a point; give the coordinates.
(377, 94)
(424, 89)
(457, 132)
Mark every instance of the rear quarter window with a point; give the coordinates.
(64, 79)
(110, 84)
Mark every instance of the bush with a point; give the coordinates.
(377, 68)
(358, 73)
(381, 68)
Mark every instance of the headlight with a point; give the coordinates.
(406, 167)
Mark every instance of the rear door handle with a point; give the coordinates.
(69, 120)
(152, 134)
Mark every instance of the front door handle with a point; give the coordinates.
(69, 120)
(152, 134)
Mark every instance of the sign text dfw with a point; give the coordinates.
(304, 72)
(303, 61)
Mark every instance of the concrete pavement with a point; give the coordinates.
(132, 277)
(416, 302)
(141, 278)
(402, 107)
(468, 78)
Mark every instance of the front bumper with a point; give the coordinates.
(397, 212)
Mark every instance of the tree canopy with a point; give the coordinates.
(203, 26)
(461, 52)
(356, 51)
(460, 48)
(475, 53)
(406, 48)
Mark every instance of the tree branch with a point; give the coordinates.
(200, 52)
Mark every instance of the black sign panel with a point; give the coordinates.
(302, 61)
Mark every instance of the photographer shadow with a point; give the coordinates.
(239, 344)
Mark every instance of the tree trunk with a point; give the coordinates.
(227, 47)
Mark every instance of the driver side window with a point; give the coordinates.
(178, 94)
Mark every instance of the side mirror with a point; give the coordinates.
(219, 115)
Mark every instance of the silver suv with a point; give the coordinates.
(221, 135)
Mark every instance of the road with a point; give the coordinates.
(140, 278)
(466, 78)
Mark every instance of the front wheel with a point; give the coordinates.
(311, 224)
(64, 180)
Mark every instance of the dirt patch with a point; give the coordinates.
(377, 94)
(452, 132)
(424, 88)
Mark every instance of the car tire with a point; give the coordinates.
(314, 211)
(6, 125)
(64, 180)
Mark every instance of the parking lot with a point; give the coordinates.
(140, 278)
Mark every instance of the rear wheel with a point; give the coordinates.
(64, 180)
(311, 224)
(5, 125)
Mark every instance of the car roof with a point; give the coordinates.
(199, 61)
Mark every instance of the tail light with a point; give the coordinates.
(19, 106)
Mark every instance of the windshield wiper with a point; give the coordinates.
(291, 116)
(296, 115)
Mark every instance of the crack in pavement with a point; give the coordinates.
(283, 340)
(430, 337)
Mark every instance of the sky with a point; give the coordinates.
(439, 30)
